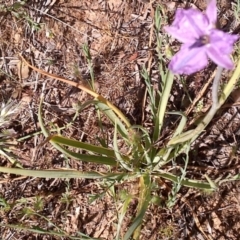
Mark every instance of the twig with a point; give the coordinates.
(201, 93)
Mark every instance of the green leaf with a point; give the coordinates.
(85, 146)
(119, 157)
(148, 146)
(68, 173)
(113, 118)
(144, 200)
(59, 173)
(163, 104)
(38, 230)
(185, 182)
(89, 158)
(122, 214)
(182, 123)
(81, 157)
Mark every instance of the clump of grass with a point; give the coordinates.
(7, 113)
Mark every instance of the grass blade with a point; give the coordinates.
(185, 182)
(119, 157)
(49, 232)
(122, 214)
(67, 173)
(78, 156)
(85, 146)
(144, 199)
(113, 118)
(163, 105)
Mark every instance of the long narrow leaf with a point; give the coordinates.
(67, 173)
(148, 147)
(163, 105)
(78, 156)
(113, 118)
(59, 173)
(119, 157)
(185, 182)
(122, 214)
(90, 158)
(49, 232)
(85, 146)
(182, 123)
(145, 191)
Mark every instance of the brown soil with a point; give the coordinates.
(118, 34)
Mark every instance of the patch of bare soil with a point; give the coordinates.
(119, 33)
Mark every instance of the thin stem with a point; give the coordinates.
(215, 87)
(215, 105)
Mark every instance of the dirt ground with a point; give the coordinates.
(118, 33)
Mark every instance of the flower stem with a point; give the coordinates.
(215, 105)
(215, 87)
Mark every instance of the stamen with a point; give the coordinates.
(205, 39)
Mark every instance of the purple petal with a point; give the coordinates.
(201, 40)
(211, 12)
(222, 41)
(219, 58)
(198, 21)
(188, 25)
(188, 60)
(179, 35)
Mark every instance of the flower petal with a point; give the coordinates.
(219, 58)
(198, 21)
(188, 60)
(211, 12)
(201, 40)
(222, 41)
(188, 25)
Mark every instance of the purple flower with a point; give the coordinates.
(201, 40)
